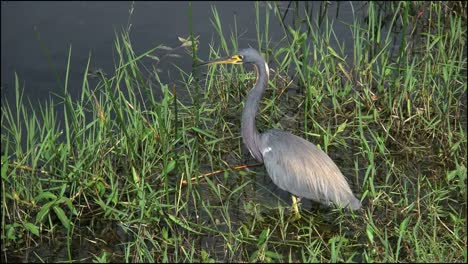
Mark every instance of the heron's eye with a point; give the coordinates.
(238, 57)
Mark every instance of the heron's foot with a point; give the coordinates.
(294, 217)
(295, 214)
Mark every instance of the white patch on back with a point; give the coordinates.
(266, 150)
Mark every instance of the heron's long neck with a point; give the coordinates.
(250, 134)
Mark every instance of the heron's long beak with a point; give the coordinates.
(235, 59)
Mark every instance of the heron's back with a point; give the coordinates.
(299, 167)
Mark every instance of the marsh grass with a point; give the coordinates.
(113, 181)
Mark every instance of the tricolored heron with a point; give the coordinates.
(293, 163)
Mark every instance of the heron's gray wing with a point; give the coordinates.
(299, 167)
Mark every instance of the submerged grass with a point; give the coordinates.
(113, 181)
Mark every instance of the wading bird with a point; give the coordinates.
(293, 163)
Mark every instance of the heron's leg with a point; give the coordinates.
(295, 201)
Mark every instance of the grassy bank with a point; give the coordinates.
(127, 174)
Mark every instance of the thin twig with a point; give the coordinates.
(219, 171)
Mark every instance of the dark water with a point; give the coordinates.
(36, 36)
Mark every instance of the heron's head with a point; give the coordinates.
(248, 55)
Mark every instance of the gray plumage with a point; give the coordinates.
(298, 166)
(294, 164)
